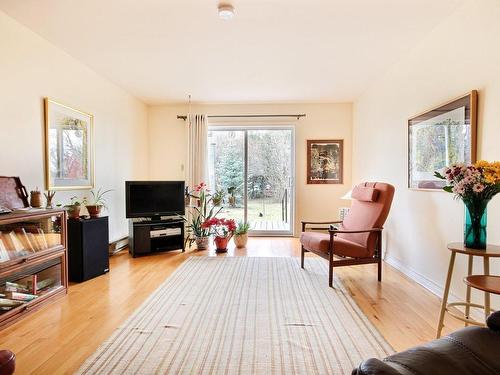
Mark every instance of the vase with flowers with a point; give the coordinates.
(222, 230)
(202, 211)
(475, 184)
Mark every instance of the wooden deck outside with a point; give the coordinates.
(270, 226)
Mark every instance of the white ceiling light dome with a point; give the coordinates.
(226, 11)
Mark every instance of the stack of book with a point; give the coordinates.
(16, 293)
(18, 243)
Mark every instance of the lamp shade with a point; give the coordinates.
(347, 196)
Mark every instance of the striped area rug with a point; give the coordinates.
(222, 315)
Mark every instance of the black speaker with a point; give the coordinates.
(88, 241)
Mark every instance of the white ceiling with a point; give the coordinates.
(273, 50)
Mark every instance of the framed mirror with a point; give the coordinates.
(439, 137)
(69, 156)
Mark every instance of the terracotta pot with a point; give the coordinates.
(232, 201)
(94, 211)
(74, 212)
(240, 240)
(221, 244)
(201, 242)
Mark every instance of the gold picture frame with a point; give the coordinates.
(69, 147)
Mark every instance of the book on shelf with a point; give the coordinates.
(15, 287)
(42, 240)
(25, 239)
(34, 241)
(15, 245)
(4, 302)
(4, 254)
(40, 285)
(16, 296)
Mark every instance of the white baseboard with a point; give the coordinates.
(428, 284)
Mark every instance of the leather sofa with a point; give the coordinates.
(7, 362)
(469, 351)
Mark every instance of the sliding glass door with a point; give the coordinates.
(253, 169)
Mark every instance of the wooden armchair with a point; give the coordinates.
(357, 239)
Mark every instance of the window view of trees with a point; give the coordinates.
(268, 171)
(440, 145)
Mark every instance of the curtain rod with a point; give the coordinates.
(298, 116)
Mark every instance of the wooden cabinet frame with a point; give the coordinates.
(18, 265)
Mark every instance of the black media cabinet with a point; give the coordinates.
(150, 235)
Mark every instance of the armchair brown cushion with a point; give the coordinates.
(320, 242)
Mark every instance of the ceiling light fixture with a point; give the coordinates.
(226, 11)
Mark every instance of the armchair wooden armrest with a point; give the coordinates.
(305, 223)
(335, 231)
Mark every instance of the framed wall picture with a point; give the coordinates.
(325, 161)
(69, 156)
(439, 137)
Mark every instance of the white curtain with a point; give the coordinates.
(197, 166)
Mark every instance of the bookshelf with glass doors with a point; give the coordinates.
(33, 261)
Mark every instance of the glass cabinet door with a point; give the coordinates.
(23, 287)
(26, 238)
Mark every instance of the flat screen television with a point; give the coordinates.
(154, 198)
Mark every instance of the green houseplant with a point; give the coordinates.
(97, 203)
(218, 197)
(74, 207)
(241, 234)
(232, 198)
(204, 210)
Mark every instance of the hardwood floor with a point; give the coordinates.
(58, 338)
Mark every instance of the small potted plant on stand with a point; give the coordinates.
(202, 211)
(241, 234)
(98, 203)
(232, 198)
(222, 230)
(218, 197)
(74, 207)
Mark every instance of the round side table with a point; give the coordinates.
(491, 251)
(486, 283)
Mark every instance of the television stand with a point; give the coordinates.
(153, 235)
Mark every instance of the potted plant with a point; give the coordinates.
(232, 199)
(475, 184)
(218, 197)
(97, 203)
(241, 234)
(222, 230)
(187, 197)
(74, 207)
(199, 214)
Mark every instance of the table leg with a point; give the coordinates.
(486, 264)
(445, 294)
(467, 295)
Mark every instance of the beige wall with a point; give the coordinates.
(30, 69)
(461, 54)
(323, 121)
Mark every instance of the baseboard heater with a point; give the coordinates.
(118, 245)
